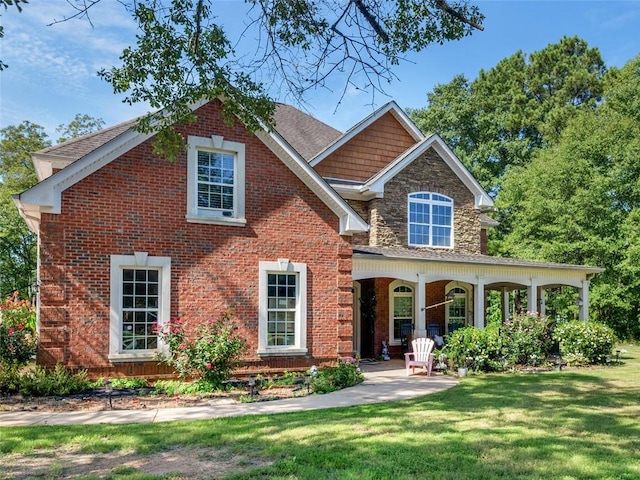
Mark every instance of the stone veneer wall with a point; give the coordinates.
(428, 173)
(362, 209)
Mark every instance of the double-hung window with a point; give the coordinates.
(216, 181)
(283, 312)
(430, 220)
(140, 304)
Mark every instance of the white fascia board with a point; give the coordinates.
(350, 221)
(30, 214)
(48, 193)
(45, 163)
(376, 184)
(397, 112)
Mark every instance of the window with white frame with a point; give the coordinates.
(430, 220)
(457, 308)
(140, 304)
(216, 180)
(401, 309)
(283, 308)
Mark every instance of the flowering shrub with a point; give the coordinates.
(18, 341)
(526, 339)
(593, 341)
(207, 351)
(475, 348)
(345, 374)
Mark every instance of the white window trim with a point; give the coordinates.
(138, 260)
(392, 286)
(300, 346)
(430, 202)
(467, 298)
(215, 143)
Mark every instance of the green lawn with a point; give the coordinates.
(574, 424)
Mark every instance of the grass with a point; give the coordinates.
(574, 424)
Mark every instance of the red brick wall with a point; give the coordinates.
(138, 203)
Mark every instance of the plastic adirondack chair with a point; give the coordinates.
(422, 355)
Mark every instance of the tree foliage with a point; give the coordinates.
(17, 244)
(578, 201)
(81, 124)
(17, 174)
(504, 116)
(184, 54)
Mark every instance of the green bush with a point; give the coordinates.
(593, 341)
(39, 382)
(345, 374)
(476, 348)
(207, 351)
(18, 342)
(526, 339)
(9, 378)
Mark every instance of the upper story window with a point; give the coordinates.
(430, 220)
(216, 181)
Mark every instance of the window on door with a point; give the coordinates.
(401, 309)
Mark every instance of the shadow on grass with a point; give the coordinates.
(569, 425)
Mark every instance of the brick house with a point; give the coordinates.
(322, 243)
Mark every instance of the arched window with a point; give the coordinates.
(401, 310)
(457, 309)
(430, 220)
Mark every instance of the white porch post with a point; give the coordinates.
(478, 304)
(542, 298)
(532, 297)
(583, 312)
(505, 304)
(420, 329)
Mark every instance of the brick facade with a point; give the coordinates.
(137, 203)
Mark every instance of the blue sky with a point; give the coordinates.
(52, 69)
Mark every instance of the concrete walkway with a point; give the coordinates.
(384, 382)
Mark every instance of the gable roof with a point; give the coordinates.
(374, 186)
(391, 107)
(306, 134)
(46, 196)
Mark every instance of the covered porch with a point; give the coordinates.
(399, 292)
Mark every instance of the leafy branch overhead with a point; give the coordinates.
(183, 54)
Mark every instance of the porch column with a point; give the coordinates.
(505, 304)
(420, 328)
(478, 304)
(542, 299)
(583, 308)
(532, 297)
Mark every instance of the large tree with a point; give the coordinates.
(17, 244)
(184, 53)
(579, 200)
(508, 112)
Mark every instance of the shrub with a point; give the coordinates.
(526, 339)
(345, 374)
(39, 382)
(593, 341)
(9, 378)
(476, 348)
(207, 351)
(18, 342)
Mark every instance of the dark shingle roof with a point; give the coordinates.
(304, 133)
(81, 146)
(435, 256)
